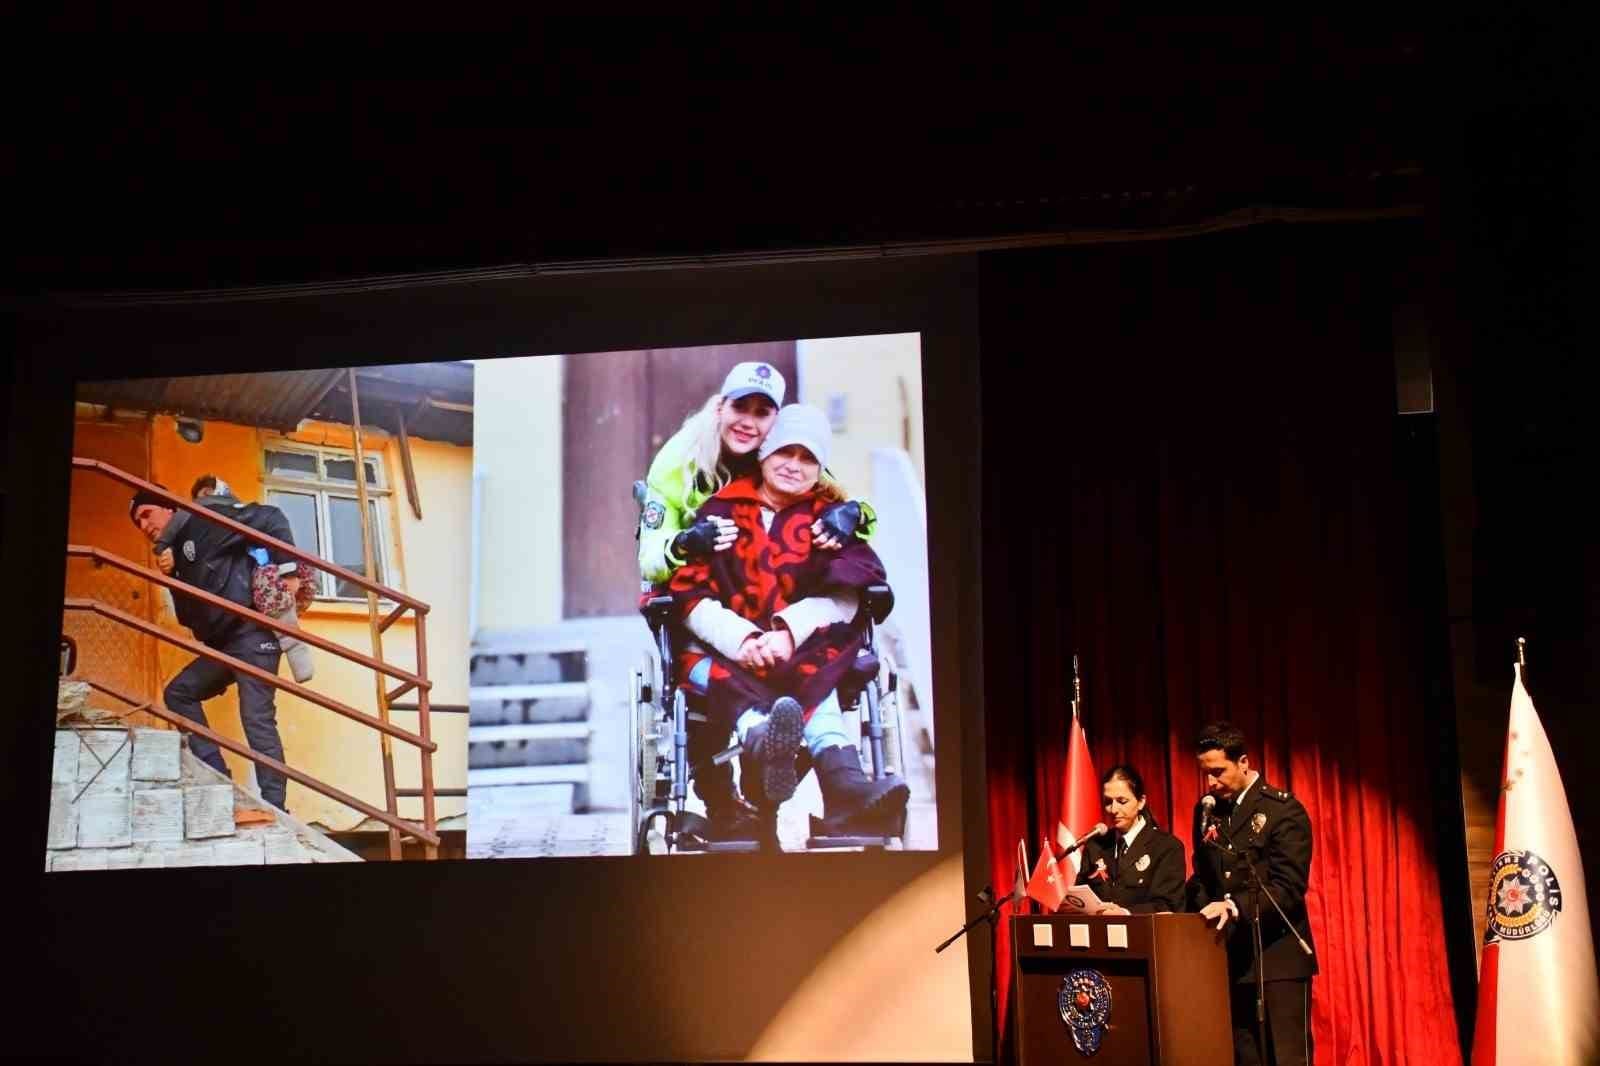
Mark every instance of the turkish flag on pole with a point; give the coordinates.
(1538, 996)
(1048, 885)
(1080, 794)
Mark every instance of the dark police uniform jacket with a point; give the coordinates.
(212, 558)
(1273, 828)
(1146, 878)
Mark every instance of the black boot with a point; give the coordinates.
(768, 769)
(853, 801)
(728, 815)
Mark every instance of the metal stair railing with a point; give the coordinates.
(427, 832)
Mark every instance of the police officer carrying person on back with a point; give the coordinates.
(217, 560)
(1243, 822)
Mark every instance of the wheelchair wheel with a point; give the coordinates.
(643, 759)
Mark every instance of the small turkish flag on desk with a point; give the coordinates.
(1048, 884)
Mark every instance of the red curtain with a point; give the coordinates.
(1190, 481)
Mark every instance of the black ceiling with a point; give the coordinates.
(250, 161)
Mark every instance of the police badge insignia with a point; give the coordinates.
(654, 515)
(188, 550)
(1143, 864)
(1524, 896)
(1258, 822)
(1085, 1005)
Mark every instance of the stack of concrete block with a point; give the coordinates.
(530, 703)
(123, 798)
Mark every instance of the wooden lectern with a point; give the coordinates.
(1167, 975)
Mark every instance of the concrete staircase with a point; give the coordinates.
(548, 743)
(530, 724)
(137, 798)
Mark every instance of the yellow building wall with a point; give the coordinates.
(880, 381)
(429, 559)
(109, 653)
(517, 419)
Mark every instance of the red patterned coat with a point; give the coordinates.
(766, 570)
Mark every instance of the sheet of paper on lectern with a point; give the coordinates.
(1080, 899)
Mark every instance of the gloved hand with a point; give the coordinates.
(841, 520)
(698, 541)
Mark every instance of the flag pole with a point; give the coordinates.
(1026, 871)
(1073, 723)
(1077, 687)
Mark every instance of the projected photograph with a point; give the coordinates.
(264, 636)
(700, 602)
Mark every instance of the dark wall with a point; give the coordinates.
(1514, 337)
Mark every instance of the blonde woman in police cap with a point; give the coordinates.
(716, 445)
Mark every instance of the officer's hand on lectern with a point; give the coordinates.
(1220, 912)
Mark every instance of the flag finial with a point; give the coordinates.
(1522, 651)
(1077, 685)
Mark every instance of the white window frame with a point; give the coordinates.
(322, 489)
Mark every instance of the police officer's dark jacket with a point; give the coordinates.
(1273, 828)
(211, 557)
(1145, 878)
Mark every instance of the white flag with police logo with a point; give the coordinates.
(1538, 995)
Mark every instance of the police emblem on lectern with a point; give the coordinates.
(1085, 1002)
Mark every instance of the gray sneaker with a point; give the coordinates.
(298, 652)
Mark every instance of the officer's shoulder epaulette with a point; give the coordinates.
(1276, 793)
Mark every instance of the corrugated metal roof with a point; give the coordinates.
(428, 395)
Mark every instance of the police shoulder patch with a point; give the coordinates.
(188, 550)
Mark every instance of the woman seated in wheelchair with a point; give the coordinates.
(717, 445)
(776, 626)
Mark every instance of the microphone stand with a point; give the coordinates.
(992, 916)
(1260, 889)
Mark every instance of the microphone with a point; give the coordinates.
(1208, 805)
(1098, 830)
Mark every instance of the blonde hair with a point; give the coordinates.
(704, 455)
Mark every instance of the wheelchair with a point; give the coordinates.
(664, 716)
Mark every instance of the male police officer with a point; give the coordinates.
(1248, 821)
(210, 557)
